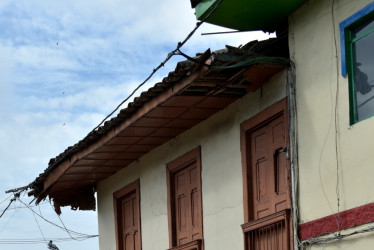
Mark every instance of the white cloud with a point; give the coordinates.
(64, 65)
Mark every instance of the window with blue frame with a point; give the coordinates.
(357, 40)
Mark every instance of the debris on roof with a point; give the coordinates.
(191, 93)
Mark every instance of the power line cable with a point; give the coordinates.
(54, 224)
(333, 111)
(321, 155)
(13, 208)
(10, 203)
(319, 240)
(39, 240)
(39, 227)
(336, 114)
(9, 219)
(6, 199)
(62, 222)
(168, 57)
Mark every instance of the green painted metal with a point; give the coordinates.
(349, 41)
(368, 32)
(349, 60)
(248, 14)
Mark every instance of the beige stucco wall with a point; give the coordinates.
(312, 44)
(222, 186)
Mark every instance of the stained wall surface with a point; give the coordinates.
(335, 158)
(221, 174)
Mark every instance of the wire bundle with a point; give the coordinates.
(42, 240)
(73, 235)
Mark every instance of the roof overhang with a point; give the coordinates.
(189, 95)
(246, 15)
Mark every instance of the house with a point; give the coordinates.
(265, 146)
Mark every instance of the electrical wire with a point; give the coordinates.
(336, 114)
(172, 53)
(6, 199)
(25, 207)
(61, 222)
(168, 57)
(9, 219)
(320, 240)
(339, 235)
(321, 154)
(39, 240)
(39, 227)
(333, 111)
(54, 224)
(10, 203)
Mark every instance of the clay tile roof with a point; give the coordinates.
(188, 95)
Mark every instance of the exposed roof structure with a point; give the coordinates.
(190, 94)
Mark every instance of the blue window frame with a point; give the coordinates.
(357, 51)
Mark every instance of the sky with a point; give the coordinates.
(65, 65)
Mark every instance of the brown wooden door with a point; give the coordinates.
(266, 179)
(127, 212)
(187, 205)
(130, 227)
(270, 174)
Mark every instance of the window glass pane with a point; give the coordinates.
(363, 66)
(361, 29)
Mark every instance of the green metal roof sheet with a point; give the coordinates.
(248, 14)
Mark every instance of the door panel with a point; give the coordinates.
(281, 173)
(130, 225)
(262, 172)
(184, 201)
(264, 146)
(126, 203)
(181, 207)
(269, 168)
(187, 205)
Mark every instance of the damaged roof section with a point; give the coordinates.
(190, 94)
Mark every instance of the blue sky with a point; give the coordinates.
(65, 65)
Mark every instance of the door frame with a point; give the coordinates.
(117, 197)
(172, 168)
(277, 109)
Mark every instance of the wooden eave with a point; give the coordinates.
(166, 110)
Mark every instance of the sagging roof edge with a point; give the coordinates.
(54, 174)
(185, 73)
